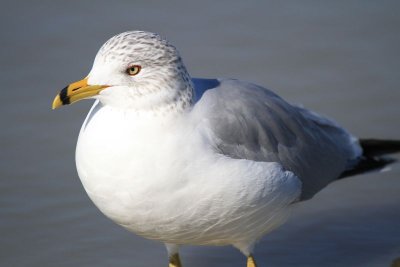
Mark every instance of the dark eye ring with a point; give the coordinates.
(133, 70)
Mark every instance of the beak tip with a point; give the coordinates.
(56, 103)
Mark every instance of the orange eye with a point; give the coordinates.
(133, 70)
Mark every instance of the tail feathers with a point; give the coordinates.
(373, 157)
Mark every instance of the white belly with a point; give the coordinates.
(165, 183)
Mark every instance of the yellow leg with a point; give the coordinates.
(251, 262)
(175, 261)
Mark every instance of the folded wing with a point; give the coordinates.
(250, 122)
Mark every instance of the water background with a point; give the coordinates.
(340, 58)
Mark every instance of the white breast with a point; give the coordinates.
(161, 179)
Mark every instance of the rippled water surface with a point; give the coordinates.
(339, 58)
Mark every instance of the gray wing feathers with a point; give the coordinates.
(253, 123)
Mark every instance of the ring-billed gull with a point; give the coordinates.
(200, 161)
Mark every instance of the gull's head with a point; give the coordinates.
(134, 70)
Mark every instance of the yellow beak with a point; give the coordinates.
(75, 92)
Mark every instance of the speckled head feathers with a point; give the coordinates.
(163, 79)
(139, 46)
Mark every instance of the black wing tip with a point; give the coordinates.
(378, 147)
(368, 164)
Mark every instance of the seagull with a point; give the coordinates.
(199, 161)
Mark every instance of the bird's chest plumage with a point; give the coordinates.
(126, 165)
(136, 173)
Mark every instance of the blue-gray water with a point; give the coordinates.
(340, 58)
